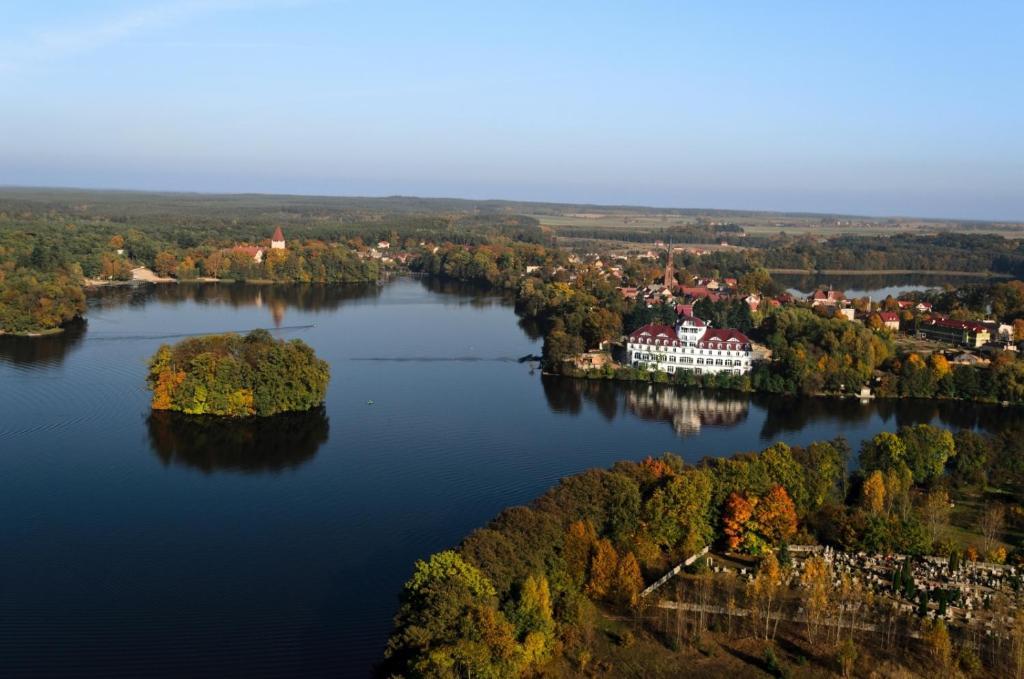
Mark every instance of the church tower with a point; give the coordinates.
(277, 240)
(670, 272)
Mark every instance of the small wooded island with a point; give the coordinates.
(234, 376)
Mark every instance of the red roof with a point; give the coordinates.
(700, 293)
(973, 326)
(888, 316)
(655, 332)
(722, 335)
(684, 309)
(278, 234)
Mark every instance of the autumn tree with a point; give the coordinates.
(873, 492)
(775, 514)
(628, 582)
(677, 512)
(884, 450)
(532, 617)
(738, 511)
(165, 263)
(935, 512)
(603, 566)
(940, 647)
(448, 624)
(765, 591)
(580, 538)
(815, 582)
(991, 525)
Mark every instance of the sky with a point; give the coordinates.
(876, 108)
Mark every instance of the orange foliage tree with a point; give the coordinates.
(603, 567)
(776, 515)
(738, 512)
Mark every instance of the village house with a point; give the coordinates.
(890, 320)
(691, 346)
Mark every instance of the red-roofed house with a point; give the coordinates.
(890, 320)
(691, 346)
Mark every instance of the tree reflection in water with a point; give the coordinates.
(687, 410)
(251, 445)
(42, 351)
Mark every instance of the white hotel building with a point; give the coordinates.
(691, 346)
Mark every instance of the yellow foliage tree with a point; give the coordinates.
(874, 492)
(603, 567)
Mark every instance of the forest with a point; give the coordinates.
(234, 376)
(539, 588)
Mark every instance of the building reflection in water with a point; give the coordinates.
(250, 445)
(687, 411)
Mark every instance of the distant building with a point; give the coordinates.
(383, 245)
(964, 333)
(846, 312)
(827, 298)
(690, 346)
(277, 240)
(920, 307)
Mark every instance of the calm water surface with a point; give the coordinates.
(134, 545)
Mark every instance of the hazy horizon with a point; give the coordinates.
(869, 110)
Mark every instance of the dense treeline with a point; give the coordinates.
(678, 233)
(235, 376)
(522, 593)
(33, 301)
(941, 252)
(45, 253)
(813, 354)
(500, 264)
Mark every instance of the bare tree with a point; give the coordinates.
(935, 510)
(991, 523)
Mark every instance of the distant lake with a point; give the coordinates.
(874, 286)
(138, 545)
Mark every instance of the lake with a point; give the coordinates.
(139, 545)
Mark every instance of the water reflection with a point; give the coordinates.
(689, 410)
(251, 446)
(875, 286)
(473, 294)
(42, 351)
